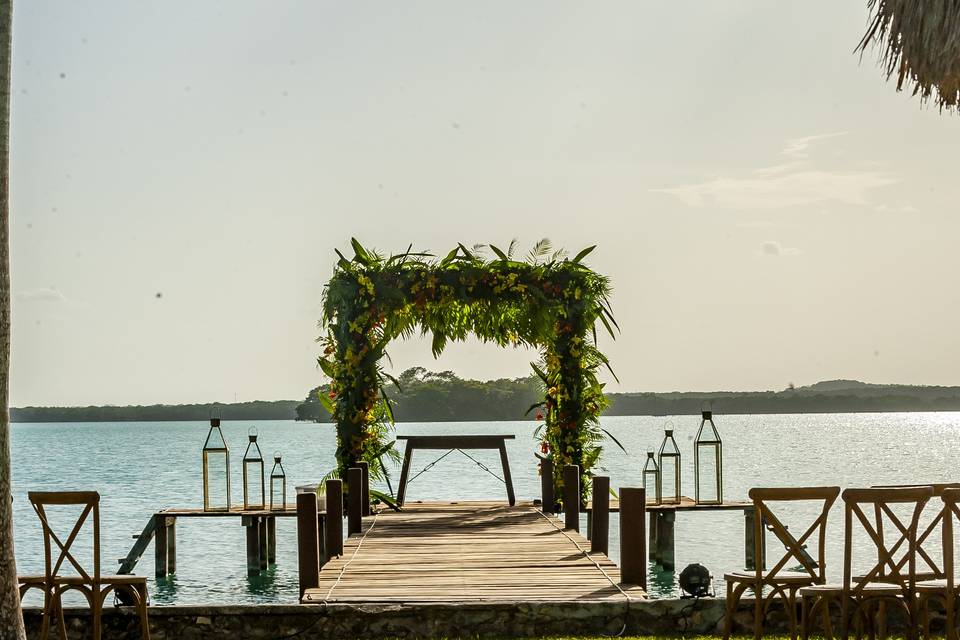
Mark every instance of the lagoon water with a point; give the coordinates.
(140, 468)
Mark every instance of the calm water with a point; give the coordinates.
(139, 468)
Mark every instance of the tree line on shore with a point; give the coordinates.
(426, 396)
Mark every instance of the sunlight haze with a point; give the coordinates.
(769, 209)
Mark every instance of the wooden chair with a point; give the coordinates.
(778, 580)
(892, 578)
(943, 587)
(94, 587)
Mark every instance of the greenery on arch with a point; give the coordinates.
(546, 300)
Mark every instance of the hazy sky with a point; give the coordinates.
(769, 209)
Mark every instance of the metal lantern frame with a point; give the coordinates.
(253, 457)
(710, 440)
(671, 451)
(207, 450)
(651, 469)
(282, 479)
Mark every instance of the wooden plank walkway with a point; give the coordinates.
(468, 552)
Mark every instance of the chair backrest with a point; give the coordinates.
(764, 500)
(951, 514)
(90, 501)
(872, 510)
(927, 541)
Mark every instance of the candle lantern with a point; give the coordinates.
(278, 484)
(708, 462)
(216, 468)
(669, 462)
(651, 479)
(253, 485)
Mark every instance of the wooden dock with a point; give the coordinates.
(468, 552)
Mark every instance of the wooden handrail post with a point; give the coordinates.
(633, 536)
(365, 491)
(600, 515)
(548, 501)
(354, 500)
(333, 523)
(571, 497)
(308, 542)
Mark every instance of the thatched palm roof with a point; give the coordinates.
(921, 46)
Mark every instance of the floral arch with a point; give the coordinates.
(545, 300)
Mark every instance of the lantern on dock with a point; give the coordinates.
(216, 468)
(651, 479)
(708, 462)
(669, 463)
(253, 485)
(278, 484)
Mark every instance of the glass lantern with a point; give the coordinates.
(216, 468)
(669, 462)
(651, 479)
(708, 462)
(253, 485)
(278, 485)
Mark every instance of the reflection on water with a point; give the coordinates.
(137, 478)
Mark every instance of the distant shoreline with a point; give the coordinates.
(450, 399)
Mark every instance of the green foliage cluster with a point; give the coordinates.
(547, 301)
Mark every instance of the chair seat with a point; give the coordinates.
(37, 580)
(933, 586)
(871, 589)
(781, 577)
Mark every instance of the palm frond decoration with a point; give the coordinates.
(919, 43)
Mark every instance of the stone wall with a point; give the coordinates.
(262, 622)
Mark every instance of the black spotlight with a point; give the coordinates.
(696, 581)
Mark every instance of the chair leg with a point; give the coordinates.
(728, 616)
(60, 617)
(949, 604)
(792, 604)
(47, 611)
(804, 613)
(758, 613)
(144, 621)
(96, 608)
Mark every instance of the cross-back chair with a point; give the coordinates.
(778, 580)
(943, 587)
(92, 584)
(892, 578)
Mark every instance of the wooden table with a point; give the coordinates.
(662, 524)
(450, 442)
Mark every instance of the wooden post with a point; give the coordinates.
(365, 484)
(654, 517)
(160, 547)
(547, 501)
(571, 497)
(252, 525)
(354, 500)
(333, 525)
(665, 546)
(507, 478)
(264, 542)
(600, 515)
(172, 545)
(749, 541)
(633, 537)
(271, 540)
(308, 549)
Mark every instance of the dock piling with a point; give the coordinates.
(354, 500)
(365, 488)
(271, 540)
(308, 542)
(600, 515)
(633, 536)
(252, 525)
(547, 500)
(571, 497)
(333, 525)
